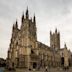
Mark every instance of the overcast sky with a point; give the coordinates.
(50, 14)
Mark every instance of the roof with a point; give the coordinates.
(41, 45)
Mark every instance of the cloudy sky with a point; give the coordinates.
(50, 14)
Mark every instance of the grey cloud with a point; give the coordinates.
(50, 13)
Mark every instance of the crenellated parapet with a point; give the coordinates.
(55, 40)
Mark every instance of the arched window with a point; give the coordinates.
(32, 52)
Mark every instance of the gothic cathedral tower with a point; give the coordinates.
(55, 40)
(28, 30)
(27, 39)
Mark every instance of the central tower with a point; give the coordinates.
(28, 30)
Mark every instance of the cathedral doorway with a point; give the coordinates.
(62, 61)
(34, 65)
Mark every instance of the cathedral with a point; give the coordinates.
(25, 51)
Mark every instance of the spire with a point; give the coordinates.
(34, 19)
(56, 30)
(50, 32)
(13, 29)
(27, 14)
(22, 17)
(13, 26)
(16, 24)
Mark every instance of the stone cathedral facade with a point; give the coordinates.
(25, 51)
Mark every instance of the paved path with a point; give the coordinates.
(49, 70)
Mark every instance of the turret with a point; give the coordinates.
(15, 29)
(34, 26)
(34, 19)
(22, 19)
(16, 24)
(50, 38)
(27, 14)
(56, 30)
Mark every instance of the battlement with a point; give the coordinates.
(55, 40)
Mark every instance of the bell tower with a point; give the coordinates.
(55, 40)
